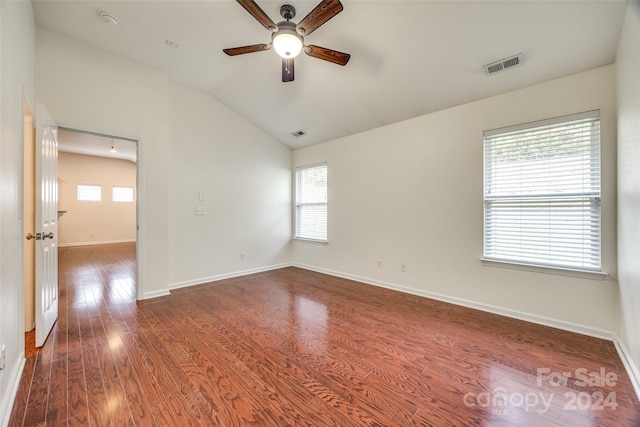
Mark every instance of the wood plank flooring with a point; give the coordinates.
(296, 348)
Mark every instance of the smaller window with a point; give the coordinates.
(89, 193)
(122, 194)
(311, 203)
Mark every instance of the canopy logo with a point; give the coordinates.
(500, 401)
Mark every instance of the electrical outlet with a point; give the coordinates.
(379, 263)
(242, 255)
(403, 267)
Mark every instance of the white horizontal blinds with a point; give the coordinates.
(311, 202)
(542, 193)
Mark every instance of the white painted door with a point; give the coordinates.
(46, 224)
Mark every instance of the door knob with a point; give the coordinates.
(39, 236)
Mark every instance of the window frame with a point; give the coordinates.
(98, 186)
(298, 205)
(133, 195)
(591, 198)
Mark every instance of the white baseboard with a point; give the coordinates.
(203, 280)
(156, 294)
(533, 318)
(103, 242)
(629, 365)
(12, 391)
(223, 276)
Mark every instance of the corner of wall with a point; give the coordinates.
(628, 151)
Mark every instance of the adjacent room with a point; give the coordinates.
(408, 213)
(96, 189)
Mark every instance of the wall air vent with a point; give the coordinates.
(503, 64)
(298, 133)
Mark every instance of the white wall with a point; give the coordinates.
(412, 193)
(91, 89)
(89, 222)
(628, 72)
(244, 174)
(16, 85)
(245, 177)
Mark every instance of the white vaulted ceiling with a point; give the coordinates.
(408, 58)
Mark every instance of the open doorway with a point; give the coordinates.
(97, 189)
(86, 162)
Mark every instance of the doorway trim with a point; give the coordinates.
(27, 214)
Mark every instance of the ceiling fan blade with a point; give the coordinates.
(325, 54)
(326, 10)
(259, 14)
(287, 70)
(246, 49)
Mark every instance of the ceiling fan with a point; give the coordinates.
(288, 38)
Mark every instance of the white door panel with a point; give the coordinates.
(46, 224)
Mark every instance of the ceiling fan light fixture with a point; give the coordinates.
(287, 37)
(286, 41)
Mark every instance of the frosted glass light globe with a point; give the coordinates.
(287, 45)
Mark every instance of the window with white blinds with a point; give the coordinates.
(311, 202)
(542, 193)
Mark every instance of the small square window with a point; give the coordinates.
(89, 193)
(122, 194)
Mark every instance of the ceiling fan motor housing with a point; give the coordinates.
(287, 11)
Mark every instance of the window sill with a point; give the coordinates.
(318, 242)
(558, 271)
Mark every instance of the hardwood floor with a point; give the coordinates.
(294, 347)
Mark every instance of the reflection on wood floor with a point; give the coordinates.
(292, 347)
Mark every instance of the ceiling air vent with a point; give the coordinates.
(171, 44)
(298, 133)
(503, 64)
